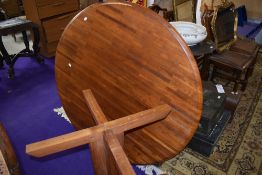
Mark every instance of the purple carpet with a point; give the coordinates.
(249, 29)
(26, 111)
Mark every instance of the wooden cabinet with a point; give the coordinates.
(52, 16)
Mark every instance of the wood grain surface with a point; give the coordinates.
(7, 155)
(132, 60)
(93, 134)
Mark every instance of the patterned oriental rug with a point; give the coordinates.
(239, 149)
(27, 104)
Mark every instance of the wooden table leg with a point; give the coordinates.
(36, 41)
(1, 61)
(205, 69)
(102, 159)
(99, 156)
(26, 42)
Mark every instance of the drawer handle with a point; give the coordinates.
(58, 4)
(63, 17)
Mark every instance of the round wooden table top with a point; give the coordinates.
(132, 60)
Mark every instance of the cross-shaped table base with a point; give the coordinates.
(106, 139)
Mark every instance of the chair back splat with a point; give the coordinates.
(224, 26)
(235, 58)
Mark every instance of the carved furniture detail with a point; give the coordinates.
(231, 62)
(224, 26)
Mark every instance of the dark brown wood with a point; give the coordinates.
(132, 60)
(232, 66)
(8, 152)
(46, 2)
(224, 26)
(204, 48)
(232, 63)
(11, 8)
(201, 52)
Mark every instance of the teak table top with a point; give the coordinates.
(132, 60)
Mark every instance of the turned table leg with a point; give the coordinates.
(7, 58)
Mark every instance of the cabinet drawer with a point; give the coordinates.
(46, 2)
(54, 27)
(57, 7)
(51, 47)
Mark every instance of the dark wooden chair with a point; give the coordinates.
(235, 58)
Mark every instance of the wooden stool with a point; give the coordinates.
(12, 26)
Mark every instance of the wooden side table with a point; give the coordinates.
(16, 25)
(200, 52)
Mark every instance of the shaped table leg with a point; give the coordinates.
(26, 42)
(7, 58)
(1, 61)
(36, 41)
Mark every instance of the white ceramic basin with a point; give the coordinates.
(192, 33)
